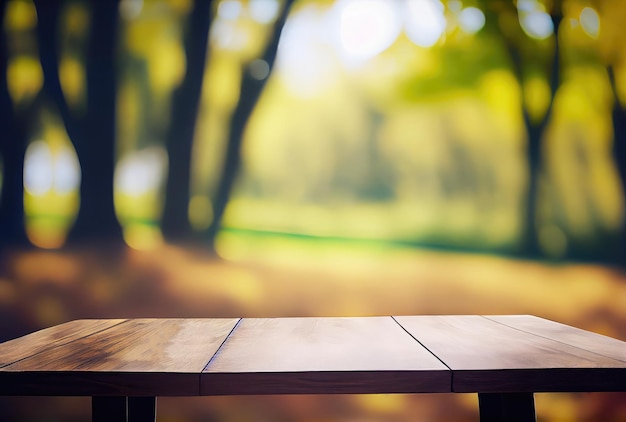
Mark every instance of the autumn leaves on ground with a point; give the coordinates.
(299, 278)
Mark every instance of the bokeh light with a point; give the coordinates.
(19, 15)
(425, 21)
(259, 69)
(366, 28)
(471, 20)
(264, 11)
(38, 168)
(141, 172)
(229, 9)
(139, 183)
(51, 183)
(383, 170)
(534, 20)
(225, 35)
(142, 237)
(130, 9)
(304, 59)
(590, 22)
(66, 171)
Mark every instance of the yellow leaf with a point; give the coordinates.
(20, 16)
(72, 78)
(24, 78)
(537, 97)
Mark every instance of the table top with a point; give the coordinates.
(391, 354)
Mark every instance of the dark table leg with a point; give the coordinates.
(506, 407)
(109, 409)
(141, 409)
(123, 409)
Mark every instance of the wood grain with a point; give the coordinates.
(487, 356)
(48, 338)
(187, 357)
(322, 355)
(144, 356)
(576, 337)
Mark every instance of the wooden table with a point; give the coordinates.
(125, 364)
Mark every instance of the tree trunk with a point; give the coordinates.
(180, 136)
(93, 133)
(619, 153)
(95, 146)
(12, 150)
(535, 130)
(529, 246)
(47, 40)
(530, 240)
(619, 140)
(250, 92)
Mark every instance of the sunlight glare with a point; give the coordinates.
(590, 22)
(38, 168)
(426, 22)
(130, 9)
(66, 171)
(141, 171)
(366, 28)
(534, 20)
(471, 20)
(229, 10)
(264, 11)
(225, 35)
(224, 32)
(455, 6)
(303, 61)
(526, 6)
(537, 25)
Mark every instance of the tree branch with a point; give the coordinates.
(180, 135)
(49, 13)
(250, 92)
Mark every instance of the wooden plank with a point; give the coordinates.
(576, 337)
(486, 356)
(139, 357)
(48, 338)
(322, 355)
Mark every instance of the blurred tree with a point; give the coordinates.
(541, 64)
(530, 58)
(618, 114)
(250, 90)
(614, 57)
(619, 128)
(92, 132)
(13, 141)
(610, 47)
(180, 135)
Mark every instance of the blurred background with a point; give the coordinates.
(177, 158)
